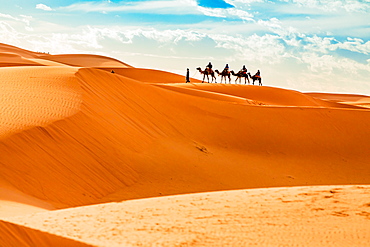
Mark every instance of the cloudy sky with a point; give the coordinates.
(306, 45)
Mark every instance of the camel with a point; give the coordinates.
(239, 76)
(207, 73)
(256, 78)
(224, 74)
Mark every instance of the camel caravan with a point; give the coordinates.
(226, 74)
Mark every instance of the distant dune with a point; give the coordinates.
(73, 134)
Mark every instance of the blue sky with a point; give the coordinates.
(306, 45)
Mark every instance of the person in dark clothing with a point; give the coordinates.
(209, 67)
(244, 70)
(187, 75)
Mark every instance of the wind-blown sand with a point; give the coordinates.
(74, 134)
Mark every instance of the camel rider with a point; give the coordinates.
(258, 74)
(209, 67)
(244, 70)
(226, 69)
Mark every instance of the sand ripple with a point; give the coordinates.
(36, 96)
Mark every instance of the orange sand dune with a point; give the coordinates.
(348, 99)
(14, 202)
(19, 51)
(134, 140)
(15, 235)
(36, 96)
(295, 216)
(8, 59)
(266, 95)
(338, 97)
(150, 75)
(86, 60)
(72, 133)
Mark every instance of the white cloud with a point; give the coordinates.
(180, 7)
(43, 7)
(8, 34)
(333, 5)
(326, 64)
(326, 44)
(21, 19)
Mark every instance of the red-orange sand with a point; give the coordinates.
(73, 134)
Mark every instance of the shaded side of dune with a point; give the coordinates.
(21, 236)
(133, 140)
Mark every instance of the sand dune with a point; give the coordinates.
(15, 235)
(268, 96)
(345, 99)
(8, 59)
(36, 96)
(16, 50)
(256, 217)
(86, 60)
(73, 134)
(149, 75)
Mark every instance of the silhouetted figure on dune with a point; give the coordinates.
(207, 72)
(187, 76)
(256, 77)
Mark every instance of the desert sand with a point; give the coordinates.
(139, 158)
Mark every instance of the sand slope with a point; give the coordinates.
(8, 59)
(16, 235)
(72, 133)
(133, 140)
(16, 50)
(86, 60)
(295, 216)
(348, 99)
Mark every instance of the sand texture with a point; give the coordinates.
(74, 134)
(295, 216)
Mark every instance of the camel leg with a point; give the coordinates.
(204, 76)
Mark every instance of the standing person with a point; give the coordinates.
(187, 76)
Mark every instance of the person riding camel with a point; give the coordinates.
(209, 67)
(244, 70)
(258, 74)
(226, 69)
